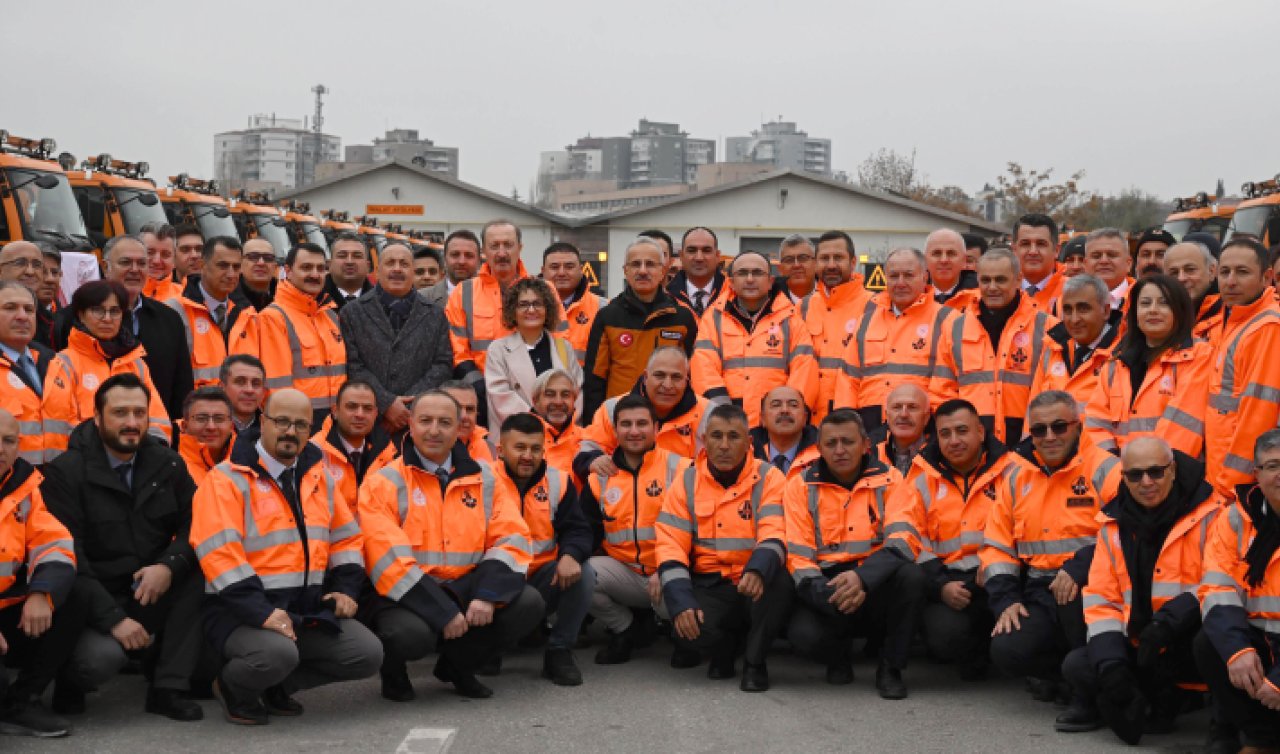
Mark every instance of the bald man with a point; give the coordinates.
(279, 629)
(785, 437)
(953, 283)
(23, 262)
(1195, 266)
(258, 276)
(903, 435)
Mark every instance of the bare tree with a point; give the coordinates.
(886, 170)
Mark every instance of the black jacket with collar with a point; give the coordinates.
(338, 297)
(247, 297)
(116, 530)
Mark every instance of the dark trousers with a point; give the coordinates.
(890, 610)
(962, 636)
(1047, 634)
(728, 616)
(1258, 725)
(38, 660)
(1159, 686)
(174, 621)
(570, 605)
(406, 637)
(257, 658)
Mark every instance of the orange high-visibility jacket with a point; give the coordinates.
(1170, 404)
(560, 447)
(478, 445)
(300, 343)
(1244, 390)
(1108, 597)
(474, 311)
(704, 528)
(578, 318)
(1209, 318)
(937, 514)
(469, 535)
(730, 363)
(540, 507)
(73, 379)
(161, 289)
(1044, 522)
(889, 350)
(19, 399)
(1054, 370)
(206, 341)
(378, 449)
(680, 432)
(628, 505)
(31, 536)
(961, 299)
(255, 552)
(1049, 292)
(832, 317)
(828, 525)
(995, 378)
(1230, 606)
(198, 457)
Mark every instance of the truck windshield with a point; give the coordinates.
(136, 214)
(314, 235)
(276, 235)
(210, 224)
(50, 212)
(1251, 220)
(1179, 228)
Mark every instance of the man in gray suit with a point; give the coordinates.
(396, 341)
(461, 260)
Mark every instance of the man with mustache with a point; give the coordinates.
(555, 397)
(785, 438)
(126, 499)
(1152, 246)
(397, 341)
(904, 434)
(354, 445)
(832, 311)
(297, 337)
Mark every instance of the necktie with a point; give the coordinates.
(290, 488)
(123, 471)
(219, 314)
(781, 462)
(28, 368)
(699, 302)
(1032, 291)
(443, 475)
(355, 459)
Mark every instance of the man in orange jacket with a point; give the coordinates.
(721, 554)
(1107, 257)
(1080, 345)
(937, 519)
(1244, 392)
(206, 434)
(207, 310)
(623, 509)
(1038, 543)
(1196, 267)
(832, 311)
(752, 343)
(1140, 603)
(562, 268)
(906, 429)
(447, 553)
(1035, 242)
(297, 336)
(1237, 649)
(473, 437)
(846, 584)
(785, 438)
(950, 282)
(40, 619)
(352, 438)
(23, 366)
(281, 553)
(989, 356)
(555, 396)
(896, 340)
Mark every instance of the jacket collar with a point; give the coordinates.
(245, 454)
(679, 285)
(931, 457)
(288, 294)
(1267, 300)
(375, 443)
(687, 403)
(460, 460)
(17, 477)
(760, 441)
(873, 470)
(1189, 483)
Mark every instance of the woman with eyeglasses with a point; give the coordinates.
(101, 344)
(1157, 383)
(513, 363)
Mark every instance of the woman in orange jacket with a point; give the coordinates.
(101, 344)
(1157, 383)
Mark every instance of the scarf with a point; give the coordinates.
(398, 308)
(120, 345)
(994, 321)
(1267, 523)
(727, 479)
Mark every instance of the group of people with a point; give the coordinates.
(1062, 462)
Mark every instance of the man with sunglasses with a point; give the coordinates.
(1039, 542)
(753, 342)
(1140, 601)
(259, 275)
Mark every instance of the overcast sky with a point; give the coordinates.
(1166, 95)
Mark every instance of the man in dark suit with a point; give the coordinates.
(348, 277)
(396, 340)
(156, 326)
(461, 260)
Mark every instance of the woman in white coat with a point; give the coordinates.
(513, 363)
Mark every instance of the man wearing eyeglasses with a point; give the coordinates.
(1039, 543)
(1140, 601)
(832, 312)
(207, 431)
(753, 343)
(23, 366)
(631, 327)
(22, 262)
(281, 551)
(798, 266)
(259, 276)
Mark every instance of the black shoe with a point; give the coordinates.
(840, 674)
(721, 666)
(1080, 717)
(558, 665)
(685, 658)
(754, 678)
(396, 685)
(173, 704)
(1223, 738)
(279, 703)
(237, 710)
(201, 689)
(463, 682)
(1062, 695)
(619, 649)
(30, 719)
(491, 667)
(68, 698)
(889, 682)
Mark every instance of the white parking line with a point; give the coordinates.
(427, 741)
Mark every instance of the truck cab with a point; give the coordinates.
(196, 201)
(334, 222)
(256, 217)
(36, 200)
(1200, 213)
(1259, 213)
(115, 197)
(303, 227)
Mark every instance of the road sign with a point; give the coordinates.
(873, 272)
(394, 209)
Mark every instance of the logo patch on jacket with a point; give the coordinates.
(540, 494)
(468, 500)
(1080, 490)
(773, 341)
(654, 489)
(918, 344)
(684, 430)
(990, 490)
(1018, 357)
(582, 318)
(625, 339)
(671, 334)
(744, 510)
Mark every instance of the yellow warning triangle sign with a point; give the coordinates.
(589, 272)
(875, 277)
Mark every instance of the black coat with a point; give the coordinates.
(164, 338)
(118, 531)
(338, 297)
(417, 358)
